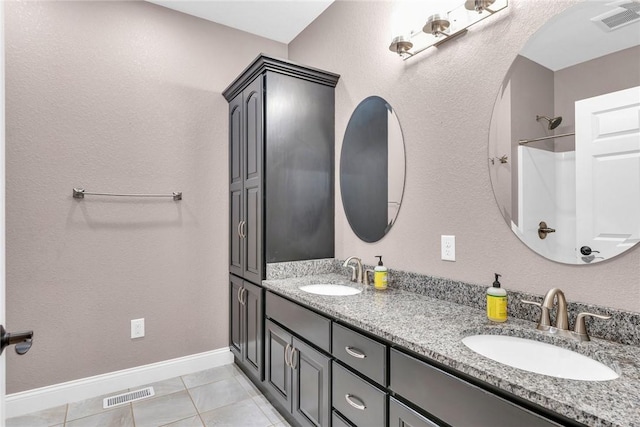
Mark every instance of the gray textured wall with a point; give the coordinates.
(124, 96)
(116, 97)
(444, 98)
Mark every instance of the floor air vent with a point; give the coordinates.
(625, 13)
(131, 396)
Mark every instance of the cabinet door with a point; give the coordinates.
(253, 329)
(402, 416)
(311, 386)
(236, 185)
(236, 242)
(253, 169)
(236, 153)
(235, 316)
(299, 175)
(277, 373)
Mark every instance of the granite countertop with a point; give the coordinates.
(434, 328)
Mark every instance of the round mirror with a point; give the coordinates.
(372, 167)
(564, 139)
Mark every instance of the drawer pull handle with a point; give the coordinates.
(240, 294)
(355, 402)
(286, 354)
(294, 359)
(352, 351)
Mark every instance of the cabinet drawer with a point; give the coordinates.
(362, 403)
(363, 354)
(314, 328)
(338, 421)
(400, 416)
(453, 400)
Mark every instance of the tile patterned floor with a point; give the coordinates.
(220, 397)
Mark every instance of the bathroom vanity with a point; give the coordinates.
(396, 358)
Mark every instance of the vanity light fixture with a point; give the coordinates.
(441, 27)
(401, 45)
(436, 25)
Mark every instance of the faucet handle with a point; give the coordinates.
(581, 327)
(367, 279)
(545, 320)
(537, 304)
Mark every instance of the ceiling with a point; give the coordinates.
(279, 20)
(572, 37)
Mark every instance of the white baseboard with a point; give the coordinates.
(25, 402)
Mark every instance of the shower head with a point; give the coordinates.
(553, 123)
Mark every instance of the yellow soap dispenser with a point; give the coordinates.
(380, 275)
(497, 302)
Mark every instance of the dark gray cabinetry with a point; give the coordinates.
(367, 383)
(311, 385)
(363, 354)
(357, 398)
(281, 165)
(245, 306)
(277, 372)
(338, 421)
(453, 400)
(359, 401)
(313, 327)
(403, 416)
(245, 188)
(281, 183)
(297, 376)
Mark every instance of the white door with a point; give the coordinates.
(608, 172)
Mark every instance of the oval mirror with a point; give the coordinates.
(564, 139)
(372, 168)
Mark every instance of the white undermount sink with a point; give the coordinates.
(539, 357)
(334, 290)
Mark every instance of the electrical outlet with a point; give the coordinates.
(448, 247)
(137, 328)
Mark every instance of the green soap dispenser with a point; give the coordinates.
(497, 302)
(380, 275)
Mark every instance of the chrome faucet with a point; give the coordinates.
(562, 318)
(357, 273)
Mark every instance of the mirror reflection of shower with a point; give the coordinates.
(553, 123)
(567, 117)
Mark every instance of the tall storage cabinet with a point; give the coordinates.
(281, 184)
(245, 187)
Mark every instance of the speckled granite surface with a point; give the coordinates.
(623, 327)
(284, 270)
(434, 328)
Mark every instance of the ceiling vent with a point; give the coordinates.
(625, 12)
